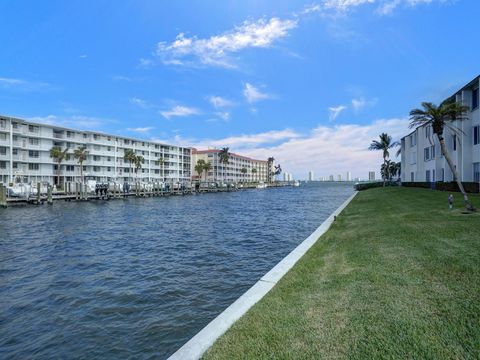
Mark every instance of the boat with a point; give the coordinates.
(296, 183)
(261, 185)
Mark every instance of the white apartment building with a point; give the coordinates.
(422, 158)
(231, 171)
(25, 155)
(371, 175)
(311, 176)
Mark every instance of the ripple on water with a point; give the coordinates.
(139, 277)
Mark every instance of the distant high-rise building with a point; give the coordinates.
(330, 178)
(339, 177)
(349, 176)
(285, 176)
(310, 176)
(371, 176)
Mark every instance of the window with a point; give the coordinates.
(3, 164)
(96, 158)
(33, 154)
(3, 136)
(33, 166)
(475, 99)
(70, 134)
(454, 140)
(33, 128)
(432, 152)
(126, 142)
(70, 168)
(476, 172)
(426, 154)
(95, 137)
(15, 151)
(427, 176)
(33, 141)
(70, 145)
(476, 135)
(3, 123)
(96, 168)
(433, 175)
(15, 125)
(3, 151)
(427, 131)
(15, 165)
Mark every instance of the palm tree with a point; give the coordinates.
(81, 155)
(58, 155)
(243, 171)
(207, 167)
(254, 171)
(199, 167)
(224, 156)
(161, 162)
(278, 170)
(138, 162)
(440, 118)
(385, 144)
(270, 161)
(130, 157)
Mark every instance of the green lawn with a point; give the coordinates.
(396, 277)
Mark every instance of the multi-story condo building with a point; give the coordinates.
(311, 176)
(422, 158)
(25, 155)
(371, 175)
(255, 170)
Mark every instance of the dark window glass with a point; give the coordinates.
(475, 99)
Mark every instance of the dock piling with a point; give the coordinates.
(49, 195)
(3, 196)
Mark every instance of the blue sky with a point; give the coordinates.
(310, 83)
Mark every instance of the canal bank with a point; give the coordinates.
(139, 277)
(396, 276)
(196, 346)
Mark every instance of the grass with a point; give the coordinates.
(397, 276)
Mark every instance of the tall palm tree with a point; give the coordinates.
(224, 156)
(81, 155)
(161, 162)
(278, 170)
(207, 167)
(270, 161)
(199, 167)
(254, 171)
(384, 145)
(130, 157)
(243, 171)
(440, 118)
(57, 154)
(138, 162)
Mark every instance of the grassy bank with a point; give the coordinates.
(397, 276)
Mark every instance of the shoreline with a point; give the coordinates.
(205, 338)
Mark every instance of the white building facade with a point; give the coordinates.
(25, 155)
(255, 170)
(422, 158)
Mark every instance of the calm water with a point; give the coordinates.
(139, 277)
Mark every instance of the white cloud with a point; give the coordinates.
(333, 150)
(325, 149)
(219, 102)
(24, 85)
(79, 122)
(360, 103)
(145, 63)
(122, 78)
(141, 130)
(384, 7)
(139, 102)
(253, 94)
(217, 50)
(223, 115)
(83, 56)
(334, 112)
(179, 111)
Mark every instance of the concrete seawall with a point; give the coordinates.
(204, 339)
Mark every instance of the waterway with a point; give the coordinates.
(137, 278)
